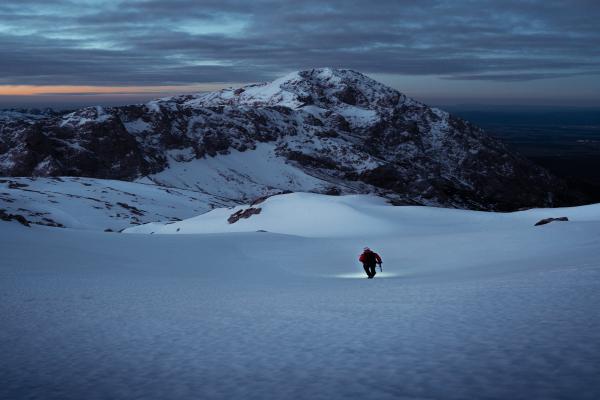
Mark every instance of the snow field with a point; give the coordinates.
(99, 204)
(474, 305)
(238, 175)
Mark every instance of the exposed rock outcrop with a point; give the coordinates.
(548, 220)
(245, 213)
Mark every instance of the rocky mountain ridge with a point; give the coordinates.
(321, 130)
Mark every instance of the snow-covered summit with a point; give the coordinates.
(322, 87)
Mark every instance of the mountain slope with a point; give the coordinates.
(324, 130)
(99, 204)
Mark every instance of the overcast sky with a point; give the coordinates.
(488, 52)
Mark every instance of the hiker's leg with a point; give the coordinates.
(367, 271)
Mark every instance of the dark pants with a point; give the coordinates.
(369, 269)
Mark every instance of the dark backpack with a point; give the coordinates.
(369, 258)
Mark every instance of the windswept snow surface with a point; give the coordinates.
(470, 305)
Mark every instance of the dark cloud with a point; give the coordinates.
(519, 77)
(156, 42)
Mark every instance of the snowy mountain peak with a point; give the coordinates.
(324, 88)
(320, 130)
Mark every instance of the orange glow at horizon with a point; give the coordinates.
(33, 90)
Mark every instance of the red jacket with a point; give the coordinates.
(369, 257)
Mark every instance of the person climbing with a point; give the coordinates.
(369, 259)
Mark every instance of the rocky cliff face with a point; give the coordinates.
(342, 131)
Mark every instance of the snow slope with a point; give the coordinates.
(470, 305)
(99, 204)
(317, 215)
(238, 175)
